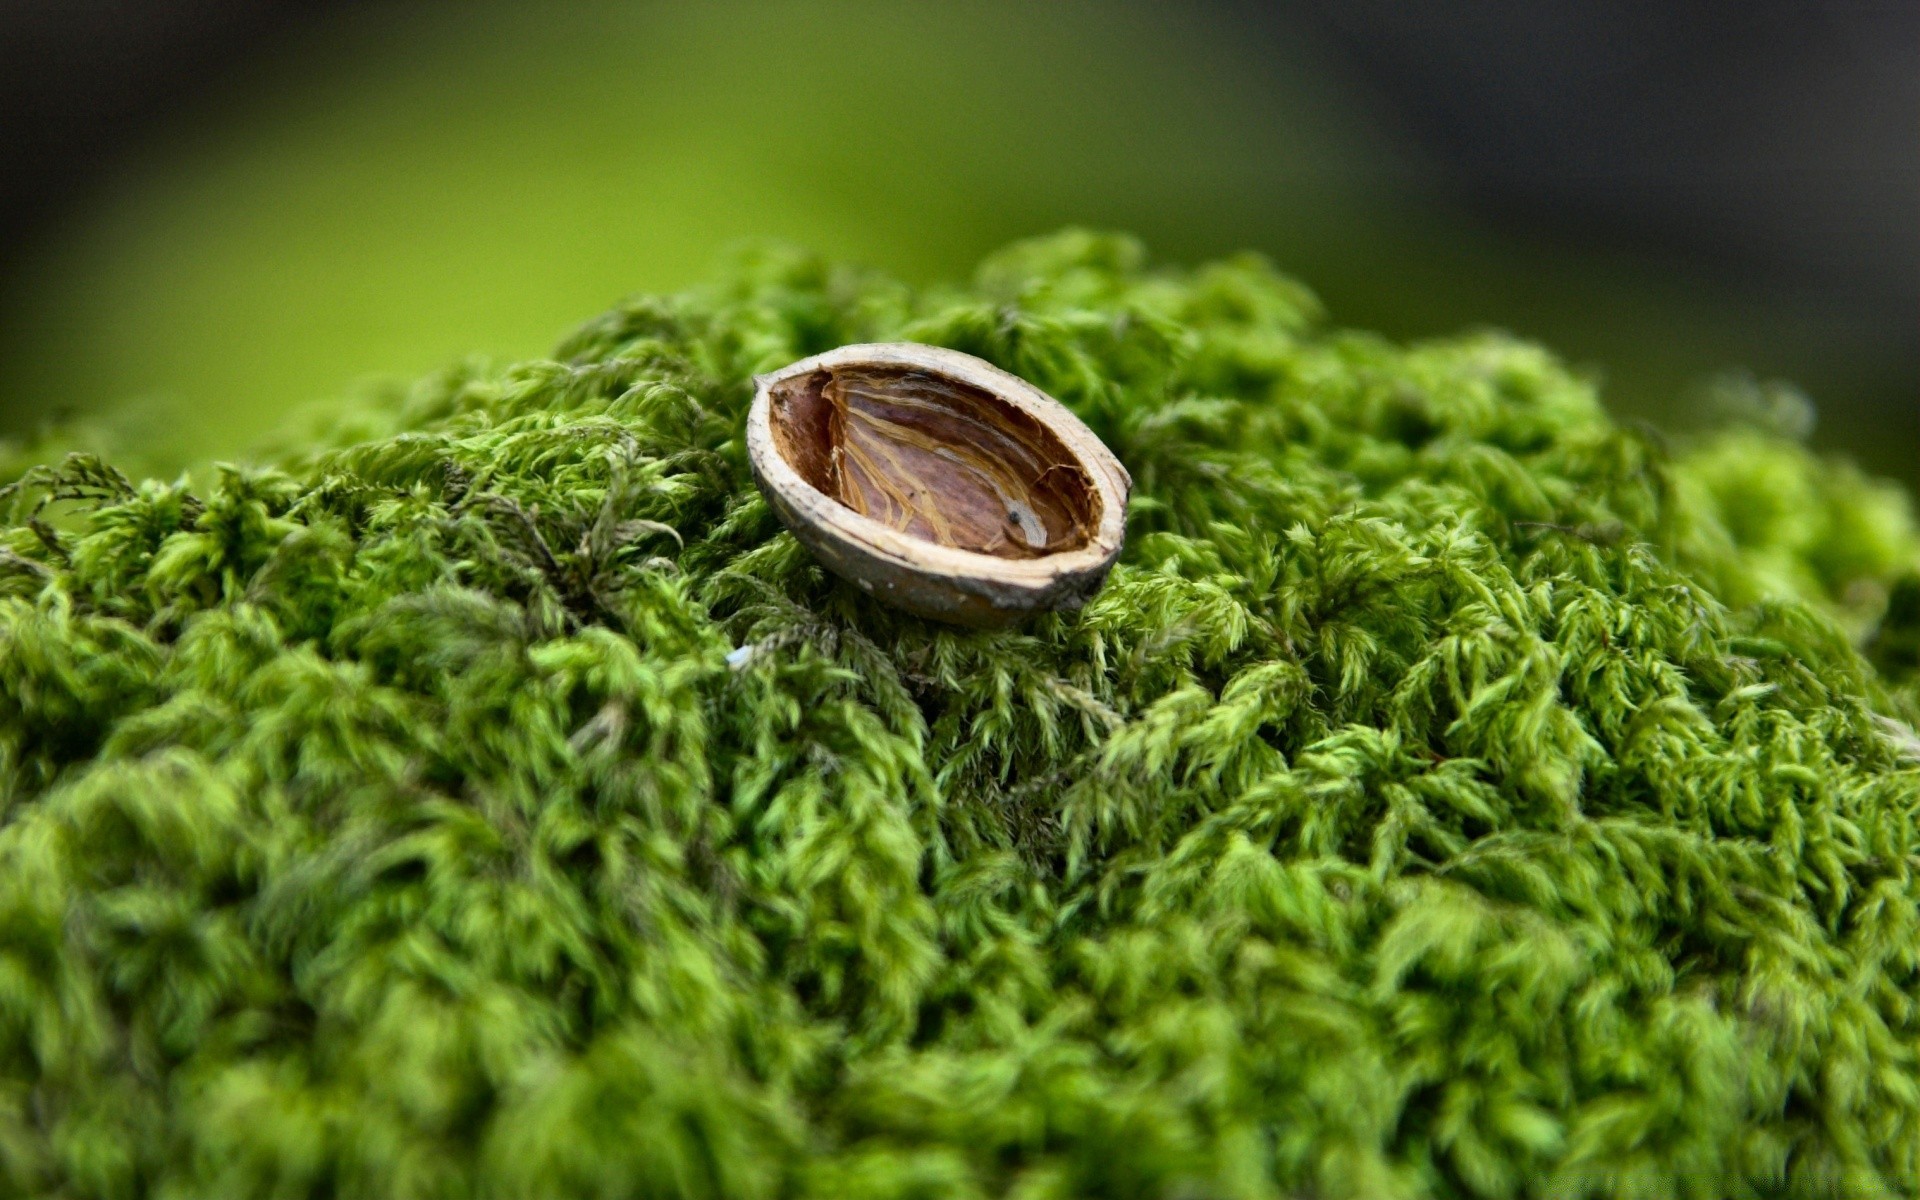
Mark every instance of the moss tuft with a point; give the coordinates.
(1451, 794)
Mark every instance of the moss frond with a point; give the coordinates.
(1452, 793)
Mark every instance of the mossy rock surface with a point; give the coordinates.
(1451, 793)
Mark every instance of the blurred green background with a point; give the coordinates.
(396, 187)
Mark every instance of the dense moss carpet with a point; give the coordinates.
(1451, 794)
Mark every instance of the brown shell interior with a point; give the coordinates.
(935, 458)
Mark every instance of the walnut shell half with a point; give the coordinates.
(938, 482)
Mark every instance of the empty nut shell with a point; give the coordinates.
(938, 482)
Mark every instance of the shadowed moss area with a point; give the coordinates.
(1452, 793)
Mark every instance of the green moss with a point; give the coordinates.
(1451, 794)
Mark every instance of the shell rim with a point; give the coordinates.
(1110, 479)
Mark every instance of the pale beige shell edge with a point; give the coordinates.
(923, 577)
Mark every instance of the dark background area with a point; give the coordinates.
(1765, 151)
(1776, 139)
(82, 81)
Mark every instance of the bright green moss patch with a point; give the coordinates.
(1451, 794)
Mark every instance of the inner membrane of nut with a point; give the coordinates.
(936, 459)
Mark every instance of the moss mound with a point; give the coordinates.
(1451, 794)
